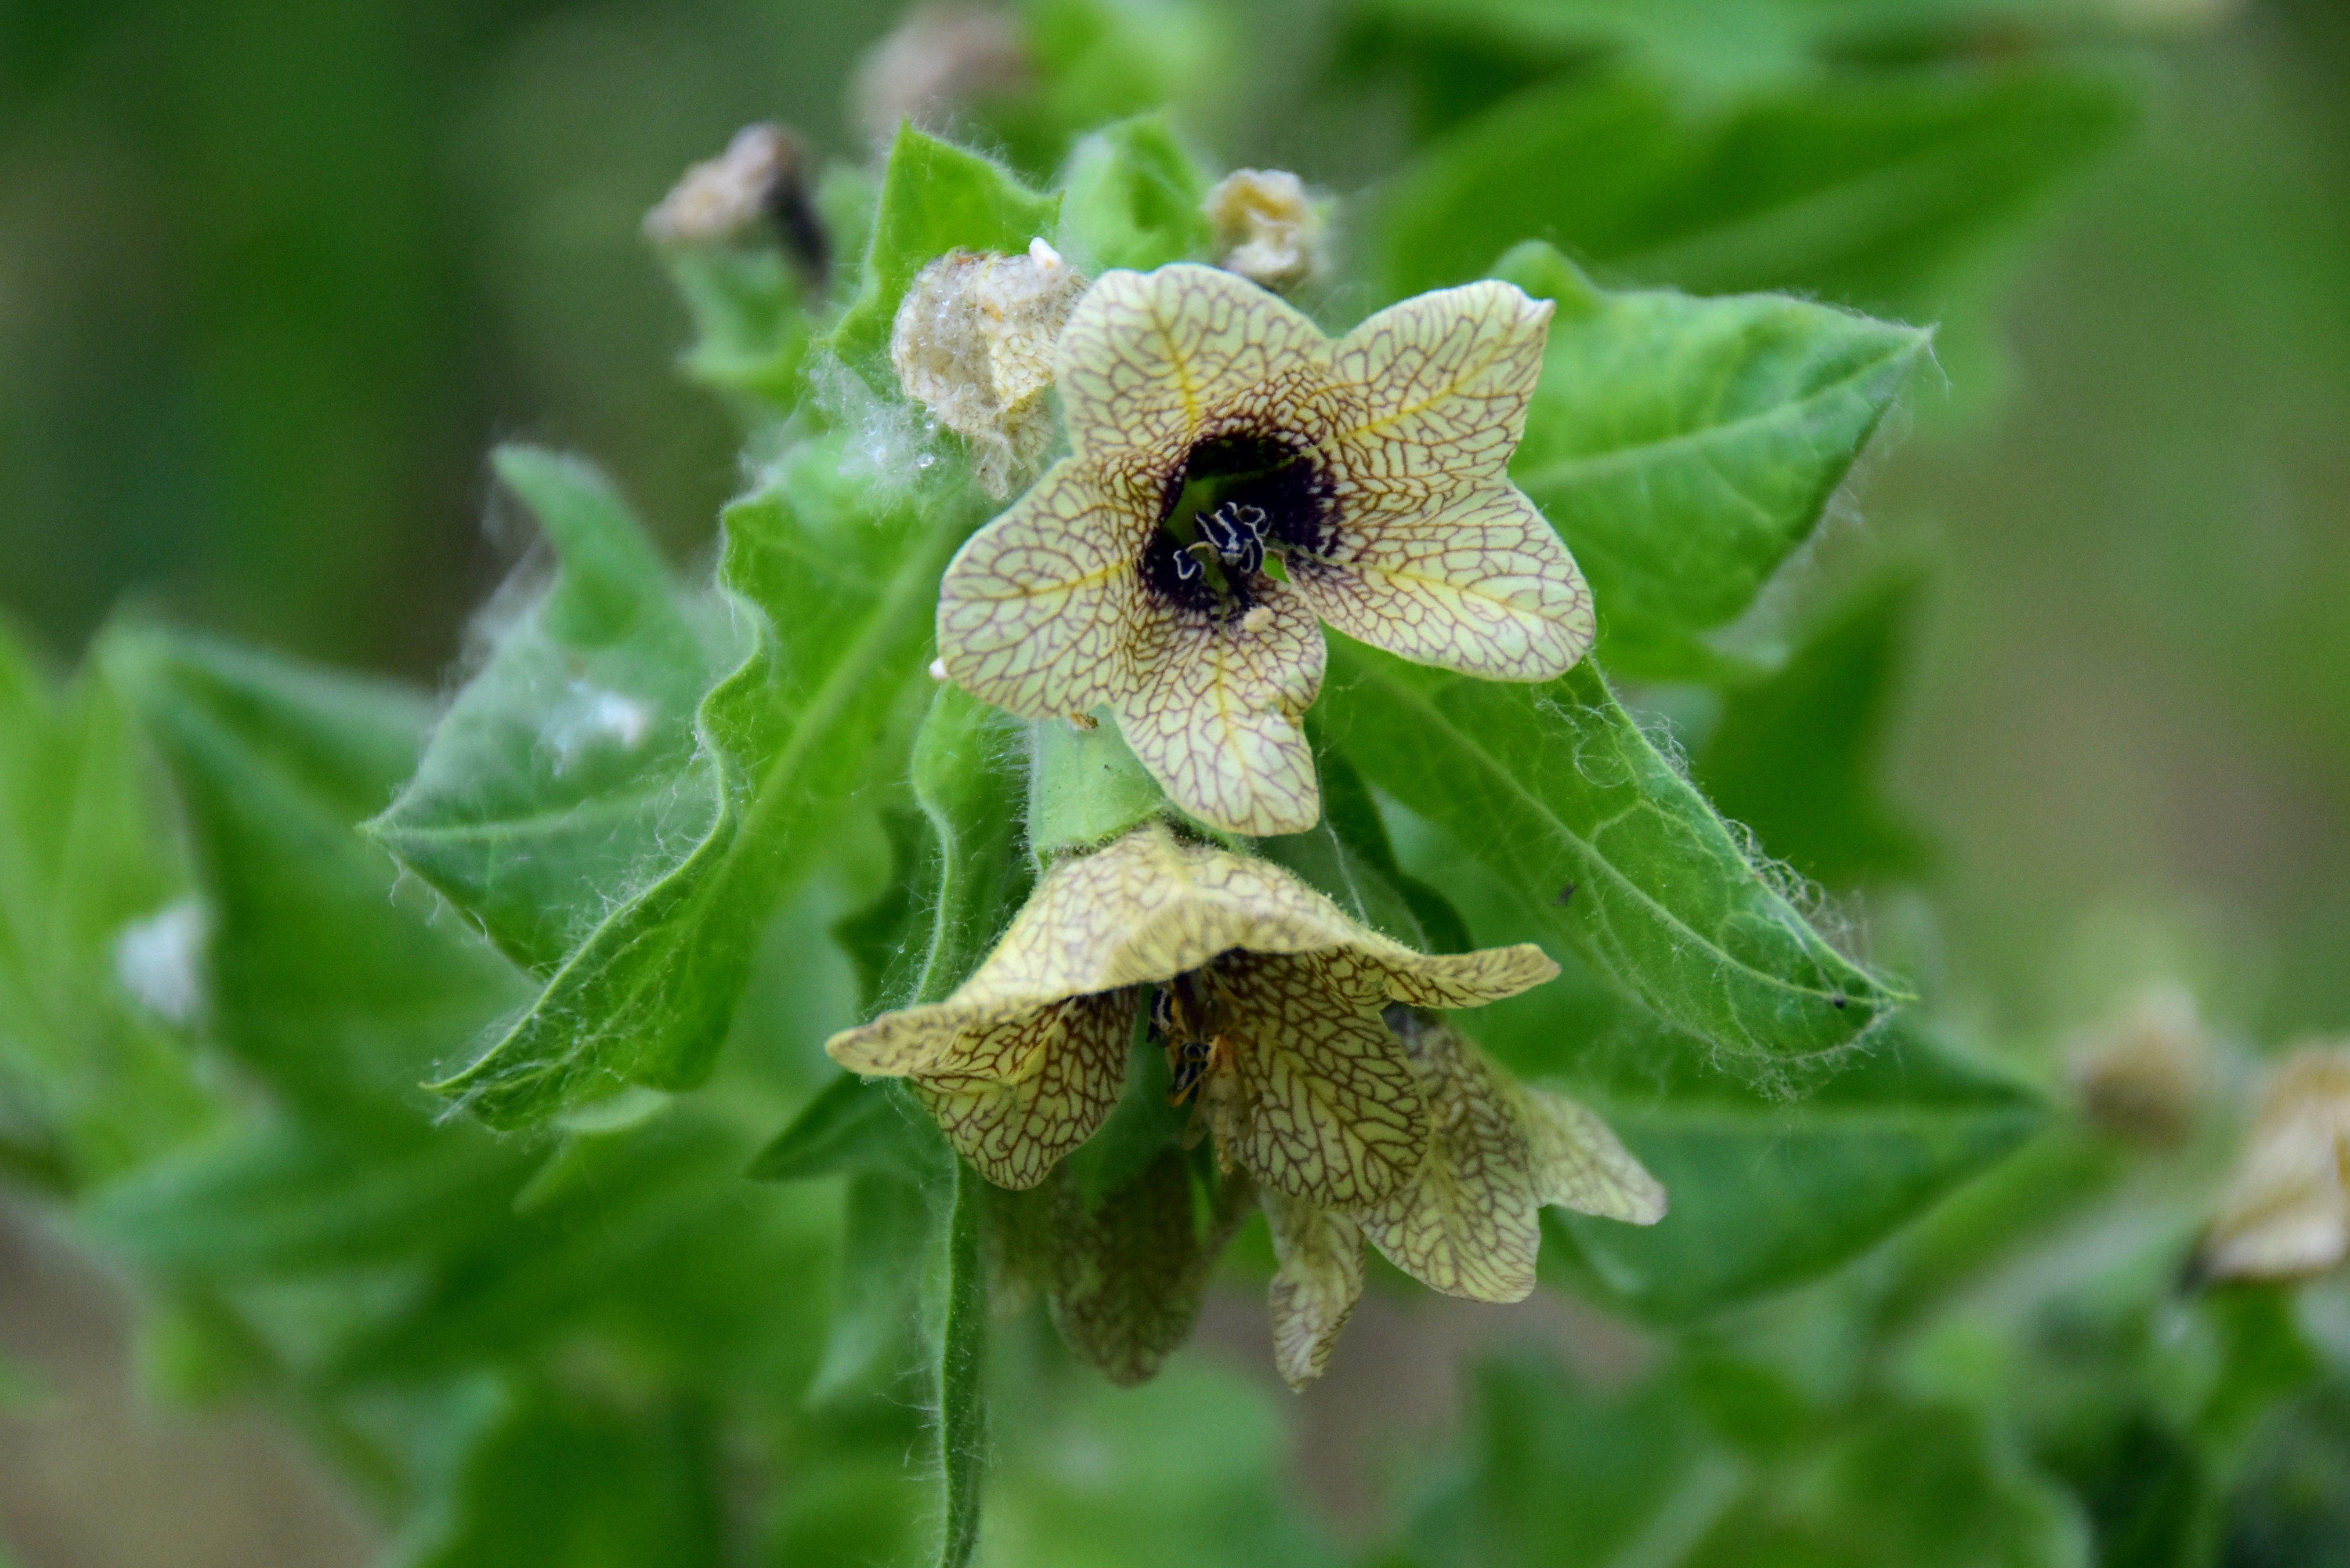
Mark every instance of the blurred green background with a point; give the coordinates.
(275, 276)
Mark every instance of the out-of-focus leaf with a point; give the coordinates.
(840, 575)
(1096, 61)
(1685, 447)
(559, 1481)
(750, 326)
(1771, 1186)
(91, 1077)
(1870, 191)
(326, 985)
(564, 778)
(1554, 790)
(1554, 1473)
(1131, 197)
(1918, 1486)
(1797, 755)
(935, 197)
(886, 1238)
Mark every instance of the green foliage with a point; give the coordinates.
(1558, 792)
(1685, 447)
(1131, 198)
(1872, 190)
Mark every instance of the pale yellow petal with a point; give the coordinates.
(1321, 1102)
(1032, 608)
(1462, 577)
(1468, 1223)
(1214, 711)
(1436, 385)
(1151, 361)
(1463, 980)
(1319, 1282)
(1578, 1163)
(914, 1039)
(1039, 1087)
(2286, 1211)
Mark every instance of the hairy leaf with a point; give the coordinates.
(1557, 792)
(563, 779)
(840, 576)
(1132, 198)
(1685, 447)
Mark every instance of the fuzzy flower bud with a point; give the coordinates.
(1265, 228)
(973, 343)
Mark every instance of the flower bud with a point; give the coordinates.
(2142, 1076)
(973, 343)
(1266, 229)
(937, 59)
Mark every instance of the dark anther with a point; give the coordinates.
(1187, 566)
(1235, 531)
(1237, 499)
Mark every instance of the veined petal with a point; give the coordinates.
(1468, 1223)
(1464, 979)
(1436, 385)
(1579, 1164)
(1212, 710)
(1041, 1086)
(1032, 608)
(917, 1039)
(1149, 361)
(1469, 577)
(1319, 1282)
(1321, 1102)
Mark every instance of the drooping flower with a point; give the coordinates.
(1233, 477)
(973, 342)
(1270, 1001)
(2286, 1211)
(1498, 1152)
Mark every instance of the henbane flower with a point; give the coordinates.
(1270, 1003)
(1498, 1152)
(1234, 476)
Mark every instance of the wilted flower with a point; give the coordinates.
(1270, 1005)
(1498, 1151)
(936, 60)
(1264, 227)
(760, 177)
(973, 342)
(2286, 1213)
(1235, 476)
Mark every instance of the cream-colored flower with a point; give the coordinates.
(1270, 1003)
(1234, 477)
(973, 342)
(2286, 1213)
(1468, 1223)
(1265, 227)
(2141, 1077)
(720, 198)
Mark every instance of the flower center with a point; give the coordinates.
(1236, 498)
(1187, 1018)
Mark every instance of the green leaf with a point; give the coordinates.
(751, 328)
(1685, 447)
(98, 947)
(1133, 197)
(874, 1344)
(558, 1480)
(1772, 1184)
(336, 990)
(1797, 755)
(935, 197)
(564, 778)
(962, 1367)
(1556, 791)
(839, 574)
(1873, 190)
